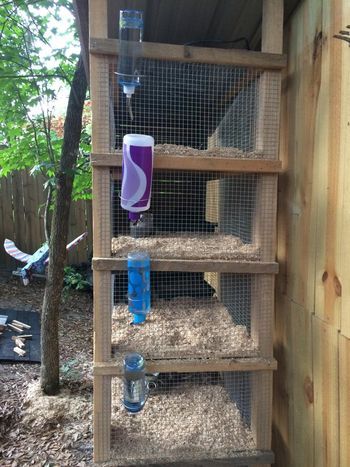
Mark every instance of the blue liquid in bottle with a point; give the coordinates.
(135, 385)
(130, 40)
(139, 288)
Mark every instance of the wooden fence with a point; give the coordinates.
(22, 201)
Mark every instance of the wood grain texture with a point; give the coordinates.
(344, 400)
(191, 365)
(196, 163)
(261, 408)
(120, 264)
(313, 245)
(327, 166)
(102, 417)
(235, 57)
(282, 393)
(301, 387)
(343, 266)
(98, 19)
(326, 403)
(299, 138)
(272, 26)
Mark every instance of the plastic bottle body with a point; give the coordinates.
(130, 40)
(137, 173)
(139, 288)
(135, 385)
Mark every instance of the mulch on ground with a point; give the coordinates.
(40, 430)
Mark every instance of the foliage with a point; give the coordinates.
(73, 279)
(32, 72)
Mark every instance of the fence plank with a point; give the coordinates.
(21, 233)
(21, 195)
(7, 228)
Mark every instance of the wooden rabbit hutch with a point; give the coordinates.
(208, 341)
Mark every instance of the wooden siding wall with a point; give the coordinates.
(312, 342)
(21, 195)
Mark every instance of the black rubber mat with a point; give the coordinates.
(32, 346)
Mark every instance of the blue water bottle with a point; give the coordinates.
(135, 385)
(139, 289)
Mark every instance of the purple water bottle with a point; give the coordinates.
(137, 174)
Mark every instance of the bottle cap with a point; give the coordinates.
(133, 139)
(128, 90)
(139, 318)
(134, 365)
(134, 216)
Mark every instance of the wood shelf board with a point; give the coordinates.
(172, 52)
(114, 368)
(196, 163)
(243, 458)
(242, 267)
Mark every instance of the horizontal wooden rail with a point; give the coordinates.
(195, 265)
(191, 365)
(195, 162)
(252, 457)
(184, 53)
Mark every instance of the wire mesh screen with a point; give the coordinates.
(190, 416)
(196, 315)
(197, 215)
(197, 106)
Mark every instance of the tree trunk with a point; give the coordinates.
(59, 233)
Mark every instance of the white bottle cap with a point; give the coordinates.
(138, 140)
(128, 90)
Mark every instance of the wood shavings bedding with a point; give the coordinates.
(179, 150)
(193, 422)
(182, 327)
(221, 247)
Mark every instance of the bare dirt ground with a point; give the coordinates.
(37, 430)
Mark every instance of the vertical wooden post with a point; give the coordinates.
(99, 88)
(272, 42)
(262, 294)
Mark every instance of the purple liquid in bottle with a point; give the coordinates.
(137, 174)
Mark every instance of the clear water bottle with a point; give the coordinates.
(139, 288)
(135, 384)
(130, 40)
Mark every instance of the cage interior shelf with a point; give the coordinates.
(187, 247)
(120, 264)
(183, 327)
(198, 161)
(179, 425)
(114, 367)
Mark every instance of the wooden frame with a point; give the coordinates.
(195, 163)
(101, 231)
(271, 42)
(183, 53)
(191, 365)
(243, 267)
(270, 59)
(242, 458)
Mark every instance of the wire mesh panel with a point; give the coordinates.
(197, 315)
(195, 215)
(197, 108)
(189, 416)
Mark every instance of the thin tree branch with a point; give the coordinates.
(47, 224)
(33, 76)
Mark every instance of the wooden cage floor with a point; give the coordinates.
(195, 422)
(217, 246)
(182, 327)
